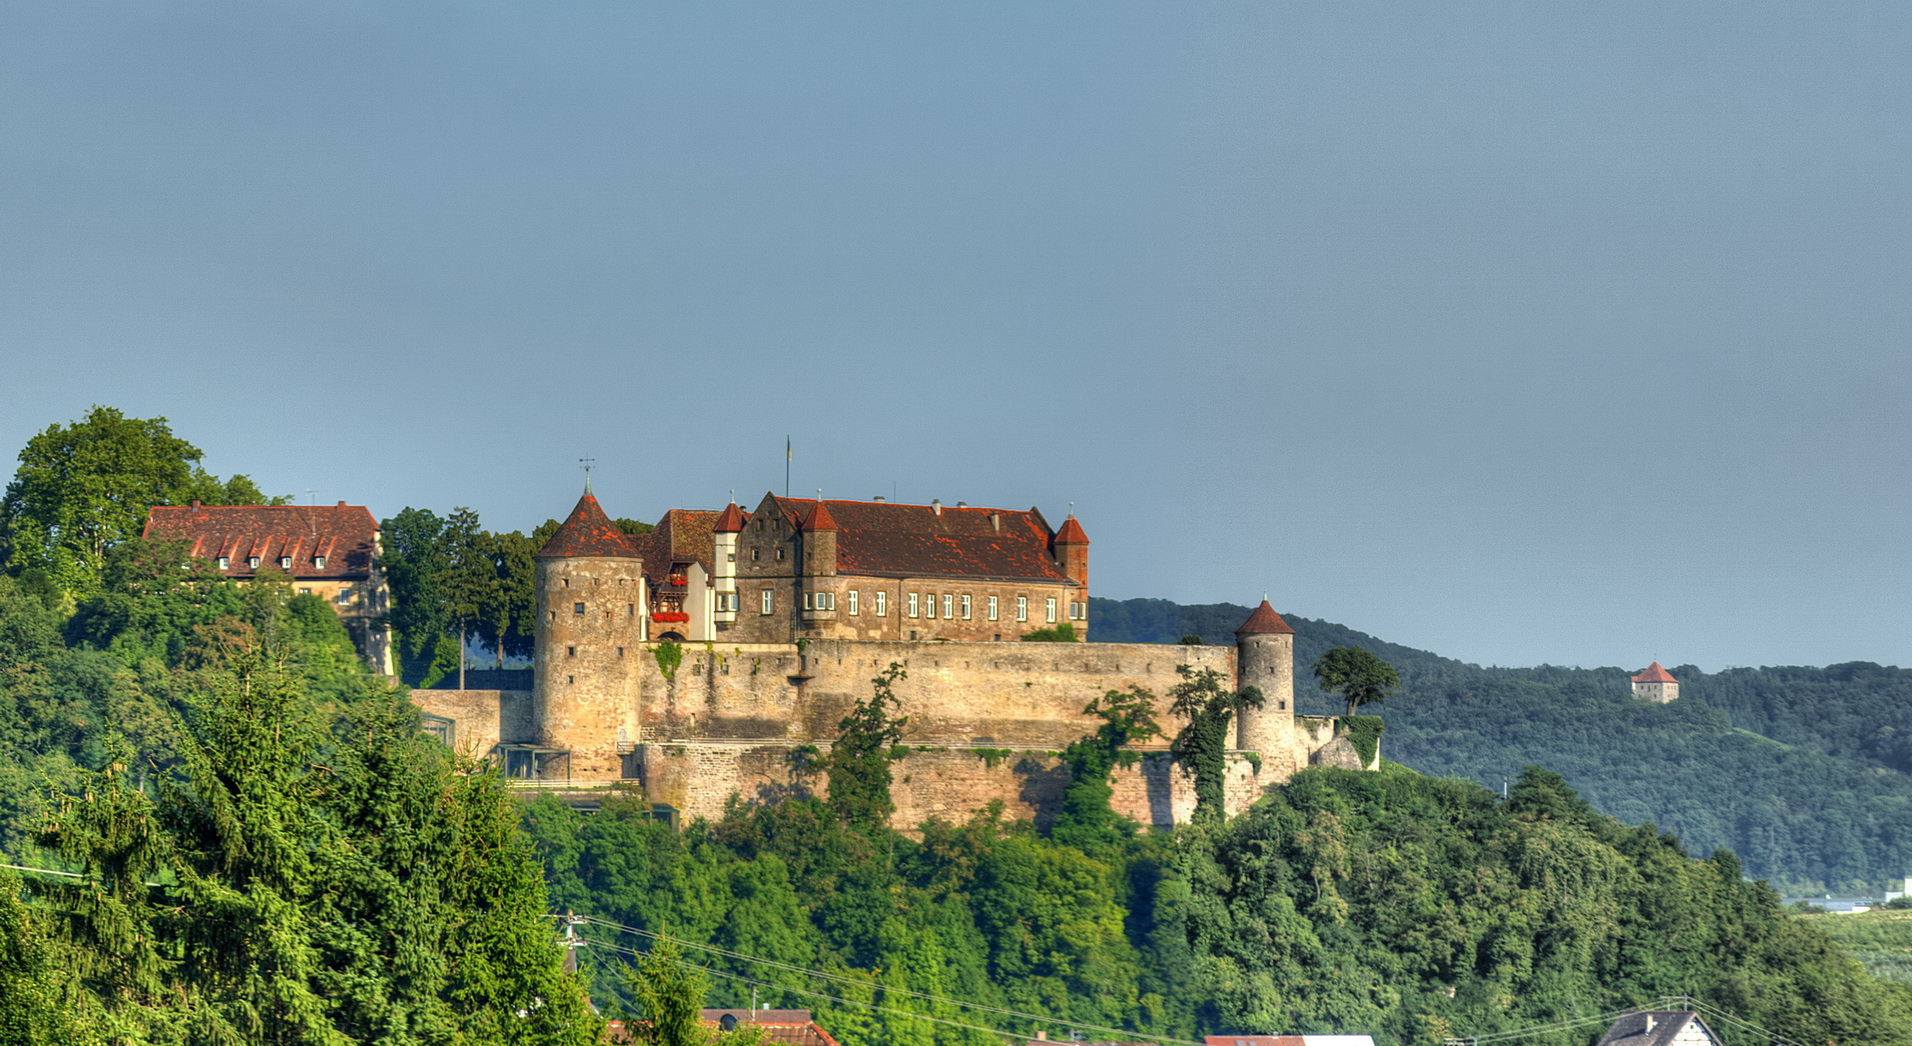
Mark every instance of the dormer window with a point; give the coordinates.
(225, 563)
(285, 562)
(319, 562)
(253, 562)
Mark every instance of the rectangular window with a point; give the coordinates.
(1050, 610)
(769, 602)
(882, 604)
(285, 562)
(253, 562)
(1022, 608)
(224, 563)
(853, 602)
(577, 608)
(806, 601)
(965, 608)
(912, 608)
(305, 591)
(993, 614)
(319, 562)
(826, 600)
(929, 605)
(949, 605)
(620, 651)
(345, 596)
(570, 651)
(630, 610)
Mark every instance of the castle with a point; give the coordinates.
(695, 661)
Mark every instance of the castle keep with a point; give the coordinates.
(694, 661)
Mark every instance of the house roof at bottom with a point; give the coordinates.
(1655, 674)
(1658, 1028)
(344, 536)
(889, 540)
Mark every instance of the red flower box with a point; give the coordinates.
(670, 615)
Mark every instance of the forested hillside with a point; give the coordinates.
(1803, 772)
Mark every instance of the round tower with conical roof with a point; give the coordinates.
(591, 607)
(1265, 659)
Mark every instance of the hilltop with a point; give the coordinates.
(1802, 772)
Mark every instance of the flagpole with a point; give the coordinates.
(786, 466)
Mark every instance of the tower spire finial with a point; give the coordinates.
(586, 464)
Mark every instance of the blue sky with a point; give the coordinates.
(1570, 333)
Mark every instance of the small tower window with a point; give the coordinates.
(780, 555)
(620, 651)
(570, 651)
(577, 608)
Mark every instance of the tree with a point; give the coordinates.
(85, 487)
(1201, 747)
(1087, 821)
(1356, 675)
(858, 766)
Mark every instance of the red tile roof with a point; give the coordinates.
(1071, 532)
(589, 532)
(344, 536)
(681, 538)
(731, 521)
(1655, 674)
(884, 539)
(819, 518)
(1264, 621)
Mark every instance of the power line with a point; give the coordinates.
(824, 975)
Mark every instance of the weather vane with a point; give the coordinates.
(586, 463)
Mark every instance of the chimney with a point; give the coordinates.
(962, 504)
(195, 502)
(341, 504)
(936, 505)
(879, 497)
(995, 520)
(1649, 1024)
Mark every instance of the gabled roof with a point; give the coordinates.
(682, 537)
(1655, 674)
(588, 532)
(344, 536)
(1264, 621)
(1659, 1028)
(884, 539)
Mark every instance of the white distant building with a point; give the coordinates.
(1656, 684)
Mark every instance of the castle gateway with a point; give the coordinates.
(695, 660)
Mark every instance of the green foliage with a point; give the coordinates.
(83, 488)
(1879, 940)
(1805, 773)
(669, 656)
(1357, 675)
(858, 765)
(1062, 633)
(1086, 821)
(1201, 747)
(1364, 733)
(34, 1010)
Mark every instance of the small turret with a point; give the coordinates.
(818, 533)
(1072, 552)
(723, 563)
(1265, 659)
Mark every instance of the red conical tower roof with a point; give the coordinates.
(1655, 674)
(730, 522)
(1071, 532)
(820, 519)
(588, 532)
(1264, 621)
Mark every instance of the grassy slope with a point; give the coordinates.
(1881, 940)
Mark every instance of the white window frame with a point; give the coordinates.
(1022, 608)
(285, 562)
(965, 606)
(252, 562)
(852, 601)
(1049, 609)
(769, 602)
(995, 608)
(882, 604)
(806, 601)
(929, 605)
(949, 605)
(225, 563)
(318, 562)
(912, 602)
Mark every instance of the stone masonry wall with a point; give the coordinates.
(484, 717)
(698, 779)
(969, 694)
